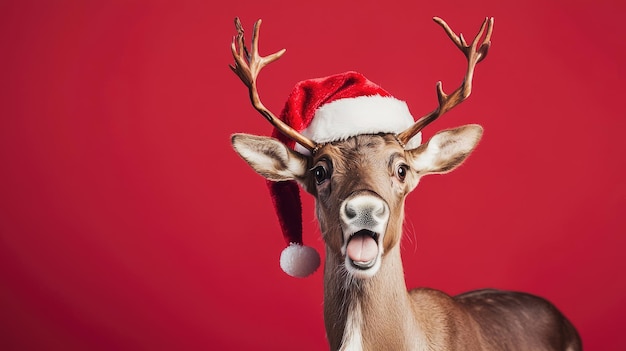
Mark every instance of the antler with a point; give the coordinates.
(247, 67)
(447, 102)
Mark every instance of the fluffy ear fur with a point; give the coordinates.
(269, 157)
(446, 150)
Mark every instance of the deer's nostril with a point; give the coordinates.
(350, 212)
(381, 210)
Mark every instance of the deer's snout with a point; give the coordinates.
(364, 210)
(364, 216)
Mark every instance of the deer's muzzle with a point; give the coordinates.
(364, 216)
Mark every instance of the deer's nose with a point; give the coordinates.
(349, 211)
(364, 210)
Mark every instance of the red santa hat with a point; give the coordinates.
(324, 110)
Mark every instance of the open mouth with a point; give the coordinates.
(362, 249)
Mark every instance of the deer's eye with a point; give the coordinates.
(402, 171)
(321, 174)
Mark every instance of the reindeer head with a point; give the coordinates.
(359, 182)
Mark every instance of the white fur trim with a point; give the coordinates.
(299, 261)
(345, 118)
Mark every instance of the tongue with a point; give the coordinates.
(362, 248)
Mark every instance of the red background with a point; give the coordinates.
(127, 222)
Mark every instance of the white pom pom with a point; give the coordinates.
(299, 261)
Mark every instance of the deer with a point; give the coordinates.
(360, 184)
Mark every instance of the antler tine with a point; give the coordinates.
(474, 54)
(247, 66)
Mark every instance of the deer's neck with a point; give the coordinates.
(372, 314)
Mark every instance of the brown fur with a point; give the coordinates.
(483, 320)
(390, 317)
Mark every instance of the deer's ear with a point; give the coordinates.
(446, 150)
(269, 157)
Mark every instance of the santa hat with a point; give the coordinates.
(324, 110)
